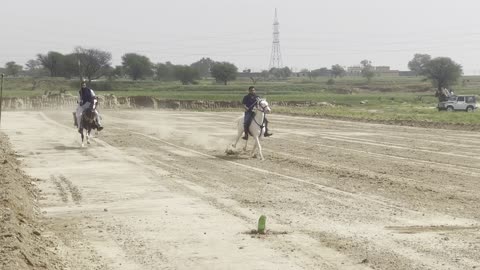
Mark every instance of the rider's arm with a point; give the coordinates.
(93, 95)
(244, 102)
(79, 101)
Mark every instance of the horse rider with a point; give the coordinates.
(86, 100)
(249, 102)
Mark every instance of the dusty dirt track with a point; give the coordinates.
(155, 190)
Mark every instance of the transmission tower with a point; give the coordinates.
(276, 56)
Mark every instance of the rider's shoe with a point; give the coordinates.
(245, 137)
(266, 134)
(99, 128)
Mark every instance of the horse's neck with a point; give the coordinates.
(259, 116)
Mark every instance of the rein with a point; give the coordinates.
(263, 118)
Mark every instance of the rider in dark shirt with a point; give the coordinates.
(249, 102)
(86, 100)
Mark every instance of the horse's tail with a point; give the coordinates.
(239, 120)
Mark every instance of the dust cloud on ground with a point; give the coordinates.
(156, 190)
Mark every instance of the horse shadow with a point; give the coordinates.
(238, 156)
(66, 148)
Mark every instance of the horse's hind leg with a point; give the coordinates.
(88, 136)
(234, 145)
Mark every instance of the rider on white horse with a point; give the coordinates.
(86, 100)
(249, 102)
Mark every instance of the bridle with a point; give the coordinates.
(262, 109)
(259, 106)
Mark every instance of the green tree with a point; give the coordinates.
(118, 72)
(33, 64)
(137, 66)
(367, 69)
(69, 66)
(307, 72)
(417, 64)
(443, 72)
(224, 72)
(52, 61)
(34, 68)
(338, 71)
(281, 73)
(203, 67)
(12, 69)
(93, 63)
(186, 74)
(321, 72)
(265, 74)
(165, 72)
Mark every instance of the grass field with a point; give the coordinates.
(383, 99)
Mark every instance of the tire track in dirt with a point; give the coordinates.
(358, 235)
(461, 168)
(66, 189)
(369, 174)
(333, 135)
(322, 264)
(263, 171)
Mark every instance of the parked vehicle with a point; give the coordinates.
(459, 103)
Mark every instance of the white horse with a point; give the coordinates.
(256, 128)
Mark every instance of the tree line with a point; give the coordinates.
(91, 64)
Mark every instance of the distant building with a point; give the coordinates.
(379, 71)
(354, 71)
(301, 74)
(382, 69)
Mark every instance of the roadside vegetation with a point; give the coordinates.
(384, 99)
(324, 92)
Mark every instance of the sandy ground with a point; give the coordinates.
(155, 190)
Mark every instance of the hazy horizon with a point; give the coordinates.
(312, 34)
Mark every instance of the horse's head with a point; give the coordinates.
(262, 105)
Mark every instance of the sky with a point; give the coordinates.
(313, 33)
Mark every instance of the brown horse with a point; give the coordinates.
(88, 122)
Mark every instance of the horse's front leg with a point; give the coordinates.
(245, 146)
(257, 145)
(88, 136)
(81, 134)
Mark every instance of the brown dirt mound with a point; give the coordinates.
(22, 245)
